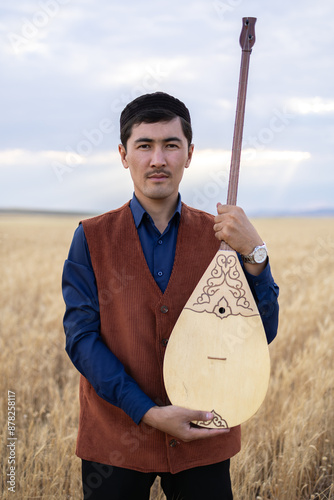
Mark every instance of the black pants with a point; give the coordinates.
(105, 482)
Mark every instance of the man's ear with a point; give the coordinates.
(122, 152)
(190, 154)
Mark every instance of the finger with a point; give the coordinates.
(220, 208)
(200, 416)
(204, 433)
(218, 226)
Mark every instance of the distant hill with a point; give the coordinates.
(323, 212)
(53, 213)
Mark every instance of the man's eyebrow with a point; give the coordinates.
(173, 139)
(168, 139)
(144, 139)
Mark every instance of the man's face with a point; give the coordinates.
(156, 155)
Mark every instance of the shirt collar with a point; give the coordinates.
(138, 211)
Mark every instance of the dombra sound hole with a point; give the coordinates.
(221, 310)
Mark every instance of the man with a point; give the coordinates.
(127, 277)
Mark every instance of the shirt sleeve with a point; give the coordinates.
(84, 345)
(265, 292)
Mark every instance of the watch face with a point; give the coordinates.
(260, 255)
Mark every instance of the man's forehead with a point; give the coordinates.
(158, 130)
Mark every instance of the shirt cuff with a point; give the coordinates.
(260, 282)
(136, 405)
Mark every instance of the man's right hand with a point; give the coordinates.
(177, 422)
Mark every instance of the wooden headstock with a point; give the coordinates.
(247, 36)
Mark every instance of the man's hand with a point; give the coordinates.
(233, 226)
(176, 421)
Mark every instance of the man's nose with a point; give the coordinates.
(158, 158)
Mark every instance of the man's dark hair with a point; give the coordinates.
(153, 108)
(154, 116)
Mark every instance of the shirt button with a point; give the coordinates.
(164, 309)
(159, 273)
(173, 443)
(164, 342)
(160, 242)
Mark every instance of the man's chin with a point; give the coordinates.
(159, 194)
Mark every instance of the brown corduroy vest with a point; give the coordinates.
(136, 320)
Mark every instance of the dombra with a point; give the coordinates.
(217, 357)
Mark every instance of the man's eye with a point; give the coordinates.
(172, 146)
(144, 146)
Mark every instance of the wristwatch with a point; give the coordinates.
(257, 256)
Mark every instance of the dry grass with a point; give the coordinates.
(288, 447)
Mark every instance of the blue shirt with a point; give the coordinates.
(159, 249)
(84, 344)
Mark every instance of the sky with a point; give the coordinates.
(69, 67)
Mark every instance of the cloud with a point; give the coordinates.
(311, 105)
(53, 179)
(79, 64)
(98, 182)
(258, 159)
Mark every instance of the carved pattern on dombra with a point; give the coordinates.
(217, 420)
(223, 293)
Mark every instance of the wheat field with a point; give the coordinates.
(288, 446)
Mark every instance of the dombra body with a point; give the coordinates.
(217, 358)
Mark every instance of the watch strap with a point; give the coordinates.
(249, 259)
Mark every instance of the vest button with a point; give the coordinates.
(164, 342)
(173, 443)
(164, 309)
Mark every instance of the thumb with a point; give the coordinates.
(202, 416)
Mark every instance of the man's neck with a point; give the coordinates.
(161, 211)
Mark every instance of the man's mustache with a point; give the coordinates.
(158, 172)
